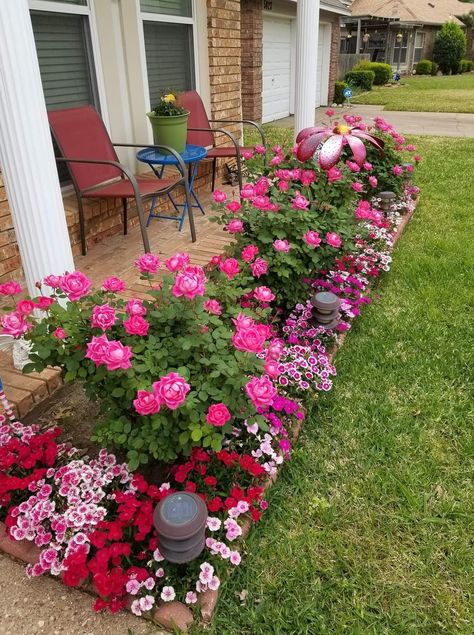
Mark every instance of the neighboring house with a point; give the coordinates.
(120, 54)
(399, 32)
(269, 51)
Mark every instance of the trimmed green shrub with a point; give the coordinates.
(466, 66)
(424, 67)
(383, 72)
(339, 88)
(434, 68)
(361, 79)
(449, 47)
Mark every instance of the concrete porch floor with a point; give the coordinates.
(115, 257)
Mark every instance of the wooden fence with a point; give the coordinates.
(347, 61)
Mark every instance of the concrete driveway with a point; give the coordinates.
(443, 124)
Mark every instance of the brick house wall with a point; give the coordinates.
(223, 28)
(334, 55)
(251, 30)
(10, 266)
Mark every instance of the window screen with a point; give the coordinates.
(169, 58)
(167, 7)
(65, 61)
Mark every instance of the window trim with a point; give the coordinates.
(170, 19)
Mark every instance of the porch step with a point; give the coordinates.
(25, 391)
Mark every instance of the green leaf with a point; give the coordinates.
(196, 434)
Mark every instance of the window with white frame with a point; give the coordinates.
(419, 45)
(168, 29)
(62, 35)
(400, 48)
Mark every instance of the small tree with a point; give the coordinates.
(449, 48)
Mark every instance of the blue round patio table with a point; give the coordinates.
(191, 156)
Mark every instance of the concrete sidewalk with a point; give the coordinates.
(442, 124)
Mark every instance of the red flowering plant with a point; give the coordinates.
(171, 372)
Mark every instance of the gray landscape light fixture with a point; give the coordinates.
(180, 522)
(386, 199)
(326, 309)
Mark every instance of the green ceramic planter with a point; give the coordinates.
(170, 131)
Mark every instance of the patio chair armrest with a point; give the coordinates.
(130, 176)
(172, 151)
(248, 122)
(223, 131)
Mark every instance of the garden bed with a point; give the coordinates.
(241, 360)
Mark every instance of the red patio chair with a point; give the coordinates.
(200, 133)
(86, 148)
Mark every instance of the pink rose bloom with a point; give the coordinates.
(171, 390)
(251, 339)
(10, 288)
(271, 368)
(263, 294)
(330, 112)
(397, 170)
(259, 149)
(189, 283)
(259, 267)
(59, 333)
(75, 285)
(103, 317)
(234, 207)
(136, 325)
(243, 321)
(312, 238)
(148, 263)
(283, 186)
(409, 168)
(43, 302)
(14, 324)
(353, 167)
(249, 253)
(308, 177)
(97, 348)
(230, 267)
(117, 356)
(25, 307)
(300, 202)
(368, 166)
(115, 285)
(247, 154)
(212, 306)
(417, 158)
(357, 187)
(135, 307)
(334, 174)
(411, 147)
(235, 226)
(52, 281)
(277, 159)
(333, 239)
(218, 415)
(261, 391)
(275, 349)
(146, 403)
(261, 202)
(281, 245)
(373, 181)
(262, 186)
(177, 262)
(215, 260)
(247, 191)
(219, 197)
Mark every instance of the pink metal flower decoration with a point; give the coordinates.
(333, 138)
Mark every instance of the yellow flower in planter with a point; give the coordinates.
(169, 98)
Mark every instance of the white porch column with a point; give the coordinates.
(359, 36)
(26, 152)
(307, 34)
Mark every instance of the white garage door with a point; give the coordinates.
(276, 68)
(322, 77)
(321, 61)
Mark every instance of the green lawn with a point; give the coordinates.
(370, 527)
(425, 94)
